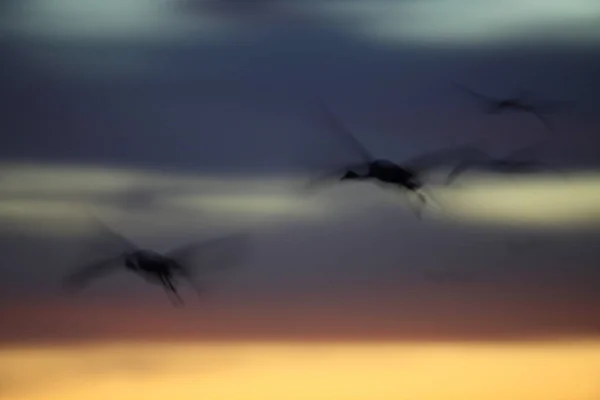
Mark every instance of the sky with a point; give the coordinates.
(183, 120)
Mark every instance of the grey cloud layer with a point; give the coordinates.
(445, 22)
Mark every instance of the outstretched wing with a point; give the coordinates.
(553, 106)
(543, 106)
(329, 119)
(483, 99)
(81, 277)
(341, 132)
(458, 170)
(213, 254)
(439, 158)
(524, 153)
(108, 240)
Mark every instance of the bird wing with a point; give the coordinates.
(543, 106)
(553, 106)
(535, 166)
(329, 119)
(457, 170)
(522, 153)
(335, 126)
(109, 240)
(435, 159)
(219, 253)
(473, 94)
(82, 276)
(484, 160)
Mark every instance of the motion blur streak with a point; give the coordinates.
(385, 371)
(58, 196)
(543, 201)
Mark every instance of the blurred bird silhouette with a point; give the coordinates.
(514, 163)
(161, 269)
(409, 176)
(523, 103)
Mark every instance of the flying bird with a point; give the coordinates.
(408, 176)
(522, 103)
(162, 269)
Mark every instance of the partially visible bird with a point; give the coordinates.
(522, 103)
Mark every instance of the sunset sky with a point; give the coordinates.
(205, 105)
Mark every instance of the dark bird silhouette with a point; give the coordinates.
(409, 176)
(522, 103)
(162, 269)
(514, 163)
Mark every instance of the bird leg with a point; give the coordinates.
(418, 206)
(424, 199)
(186, 274)
(171, 291)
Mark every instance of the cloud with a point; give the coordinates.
(543, 201)
(133, 21)
(121, 36)
(59, 195)
(106, 37)
(471, 22)
(430, 21)
(146, 21)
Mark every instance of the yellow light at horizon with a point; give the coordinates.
(541, 371)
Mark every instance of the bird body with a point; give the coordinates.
(387, 172)
(148, 261)
(154, 267)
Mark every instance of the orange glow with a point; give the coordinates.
(546, 371)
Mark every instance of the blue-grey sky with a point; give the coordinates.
(210, 105)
